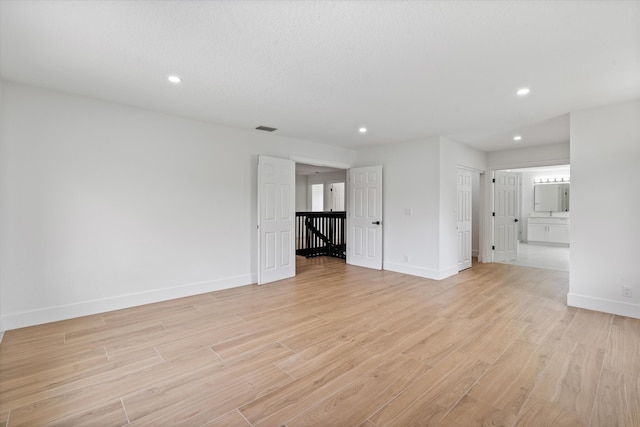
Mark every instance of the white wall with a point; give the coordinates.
(605, 201)
(420, 176)
(2, 328)
(526, 203)
(106, 206)
(543, 155)
(468, 157)
(302, 194)
(448, 259)
(411, 180)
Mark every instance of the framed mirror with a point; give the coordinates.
(551, 197)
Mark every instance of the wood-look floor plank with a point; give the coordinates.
(163, 392)
(590, 327)
(512, 377)
(471, 412)
(441, 338)
(494, 339)
(430, 397)
(280, 405)
(103, 388)
(30, 336)
(218, 397)
(618, 401)
(335, 345)
(571, 379)
(258, 334)
(109, 414)
(546, 326)
(357, 401)
(230, 419)
(623, 350)
(538, 412)
(318, 355)
(26, 367)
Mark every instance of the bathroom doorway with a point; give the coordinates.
(542, 230)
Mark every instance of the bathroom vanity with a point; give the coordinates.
(549, 223)
(548, 230)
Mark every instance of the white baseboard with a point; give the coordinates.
(1, 336)
(421, 272)
(604, 305)
(86, 308)
(475, 253)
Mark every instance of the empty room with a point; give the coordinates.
(329, 213)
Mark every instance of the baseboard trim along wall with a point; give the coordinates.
(604, 305)
(421, 272)
(87, 308)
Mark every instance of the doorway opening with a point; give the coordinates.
(469, 183)
(277, 222)
(532, 219)
(320, 212)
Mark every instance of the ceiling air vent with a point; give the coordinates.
(266, 128)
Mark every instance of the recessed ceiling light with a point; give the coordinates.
(517, 138)
(362, 130)
(523, 91)
(175, 79)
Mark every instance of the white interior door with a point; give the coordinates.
(276, 219)
(336, 192)
(464, 218)
(505, 222)
(364, 215)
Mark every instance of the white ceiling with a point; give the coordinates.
(319, 70)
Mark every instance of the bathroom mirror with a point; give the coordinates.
(551, 197)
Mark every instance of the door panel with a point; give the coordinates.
(276, 219)
(505, 223)
(364, 244)
(464, 218)
(337, 196)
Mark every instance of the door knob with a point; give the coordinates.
(516, 220)
(376, 222)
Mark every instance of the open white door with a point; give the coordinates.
(364, 216)
(276, 219)
(464, 219)
(505, 223)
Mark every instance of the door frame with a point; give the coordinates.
(468, 250)
(278, 173)
(346, 167)
(483, 207)
(486, 235)
(495, 213)
(364, 222)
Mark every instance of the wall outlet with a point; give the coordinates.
(626, 291)
(408, 211)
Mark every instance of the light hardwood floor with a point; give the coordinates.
(335, 346)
